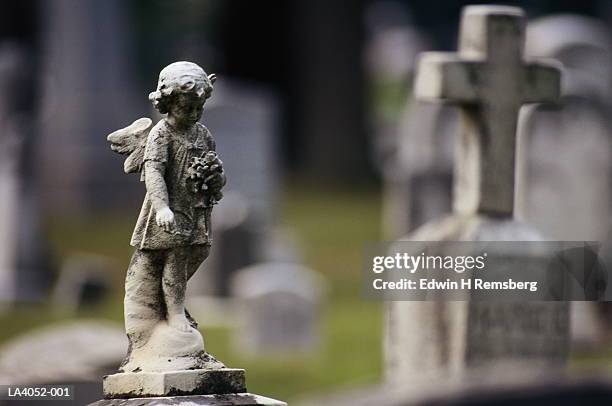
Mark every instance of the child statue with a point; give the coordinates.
(183, 178)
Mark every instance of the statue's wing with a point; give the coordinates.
(131, 141)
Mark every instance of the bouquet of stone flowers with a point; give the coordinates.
(200, 175)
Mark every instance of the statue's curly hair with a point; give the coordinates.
(181, 78)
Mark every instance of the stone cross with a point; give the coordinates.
(490, 81)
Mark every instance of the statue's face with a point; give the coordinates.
(187, 108)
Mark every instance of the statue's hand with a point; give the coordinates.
(165, 219)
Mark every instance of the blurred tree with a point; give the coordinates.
(327, 53)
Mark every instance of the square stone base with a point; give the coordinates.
(241, 399)
(175, 383)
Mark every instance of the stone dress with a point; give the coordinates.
(192, 217)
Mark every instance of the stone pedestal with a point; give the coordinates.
(174, 383)
(209, 387)
(242, 399)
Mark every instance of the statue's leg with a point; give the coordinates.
(143, 304)
(174, 283)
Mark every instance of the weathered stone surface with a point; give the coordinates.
(238, 399)
(184, 177)
(176, 383)
(427, 339)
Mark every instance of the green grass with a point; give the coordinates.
(348, 354)
(332, 227)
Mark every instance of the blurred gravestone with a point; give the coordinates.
(437, 338)
(278, 308)
(236, 239)
(24, 267)
(60, 352)
(566, 189)
(281, 245)
(568, 150)
(244, 121)
(84, 280)
(391, 52)
(210, 301)
(427, 136)
(77, 173)
(75, 353)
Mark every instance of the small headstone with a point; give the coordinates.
(278, 308)
(84, 280)
(489, 81)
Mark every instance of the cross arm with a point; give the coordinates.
(447, 77)
(542, 82)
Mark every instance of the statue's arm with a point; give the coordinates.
(156, 184)
(158, 193)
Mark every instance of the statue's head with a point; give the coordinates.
(182, 89)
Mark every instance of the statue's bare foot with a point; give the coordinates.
(179, 322)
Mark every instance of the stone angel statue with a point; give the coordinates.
(183, 177)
